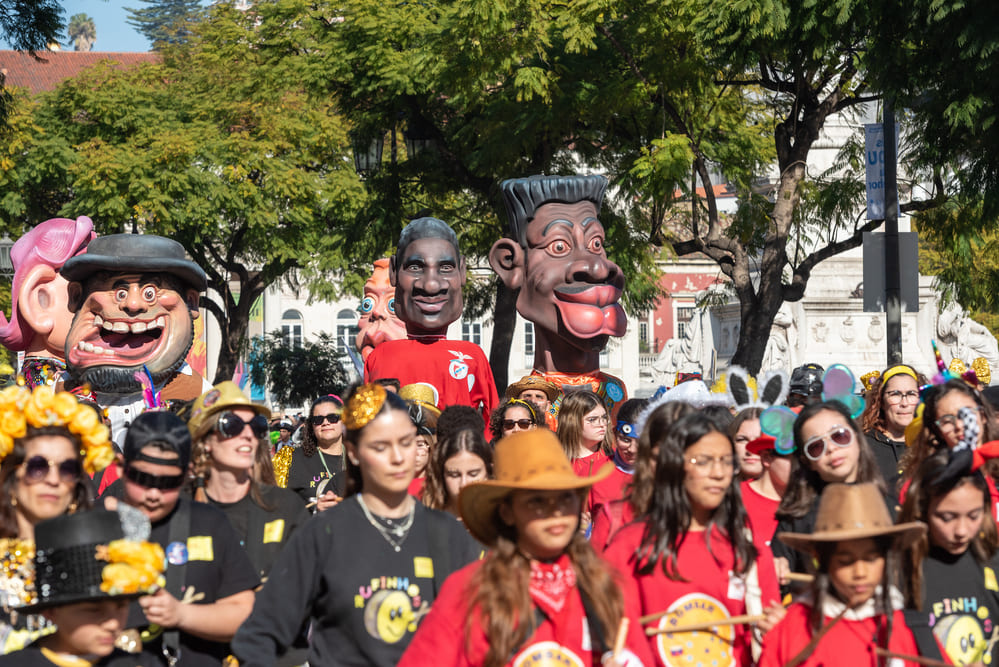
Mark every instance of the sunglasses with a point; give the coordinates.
(230, 425)
(815, 448)
(317, 420)
(149, 481)
(37, 468)
(523, 424)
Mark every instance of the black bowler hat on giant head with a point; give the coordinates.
(139, 253)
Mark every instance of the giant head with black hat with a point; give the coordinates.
(135, 299)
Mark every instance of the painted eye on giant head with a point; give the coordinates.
(558, 248)
(391, 305)
(596, 245)
(149, 293)
(367, 305)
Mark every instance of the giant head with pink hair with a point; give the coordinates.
(40, 315)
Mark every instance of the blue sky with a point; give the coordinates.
(113, 33)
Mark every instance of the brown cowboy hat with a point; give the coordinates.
(525, 460)
(852, 512)
(532, 382)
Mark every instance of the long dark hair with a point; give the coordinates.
(669, 514)
(309, 443)
(468, 440)
(805, 485)
(8, 477)
(355, 483)
(926, 486)
(643, 482)
(823, 588)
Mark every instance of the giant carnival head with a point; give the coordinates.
(378, 322)
(555, 256)
(40, 314)
(428, 273)
(135, 299)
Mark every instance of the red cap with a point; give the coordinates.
(760, 444)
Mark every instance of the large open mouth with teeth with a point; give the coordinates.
(119, 341)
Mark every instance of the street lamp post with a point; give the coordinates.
(367, 152)
(6, 265)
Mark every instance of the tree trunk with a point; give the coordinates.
(754, 332)
(234, 335)
(504, 322)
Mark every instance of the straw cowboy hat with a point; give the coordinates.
(533, 382)
(525, 460)
(852, 512)
(423, 395)
(223, 396)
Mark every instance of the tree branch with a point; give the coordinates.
(796, 290)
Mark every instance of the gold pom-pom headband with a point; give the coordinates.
(980, 367)
(867, 379)
(363, 406)
(20, 408)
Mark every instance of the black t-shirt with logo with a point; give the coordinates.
(306, 472)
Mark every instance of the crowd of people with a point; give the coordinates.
(778, 521)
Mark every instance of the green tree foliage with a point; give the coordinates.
(82, 32)
(27, 25)
(211, 147)
(296, 374)
(165, 21)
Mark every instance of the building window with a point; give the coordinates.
(683, 316)
(291, 328)
(529, 344)
(346, 329)
(471, 332)
(643, 337)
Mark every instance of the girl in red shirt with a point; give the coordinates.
(541, 594)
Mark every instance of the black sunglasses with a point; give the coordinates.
(37, 468)
(524, 424)
(332, 418)
(149, 481)
(230, 425)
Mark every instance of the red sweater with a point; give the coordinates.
(590, 465)
(441, 640)
(609, 519)
(848, 642)
(710, 592)
(606, 490)
(762, 512)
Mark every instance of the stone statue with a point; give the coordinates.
(681, 355)
(966, 338)
(779, 353)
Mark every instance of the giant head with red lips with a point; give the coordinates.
(135, 298)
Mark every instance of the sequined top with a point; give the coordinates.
(17, 588)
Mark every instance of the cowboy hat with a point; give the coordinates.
(223, 396)
(422, 394)
(533, 382)
(852, 512)
(531, 460)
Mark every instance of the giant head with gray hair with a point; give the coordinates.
(428, 273)
(555, 256)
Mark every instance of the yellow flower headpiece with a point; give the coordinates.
(362, 407)
(133, 567)
(20, 408)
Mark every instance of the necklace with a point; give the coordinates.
(393, 534)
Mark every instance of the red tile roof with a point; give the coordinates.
(37, 76)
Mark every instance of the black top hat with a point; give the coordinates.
(142, 253)
(67, 569)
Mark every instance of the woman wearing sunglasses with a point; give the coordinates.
(320, 461)
(227, 430)
(830, 448)
(514, 415)
(42, 476)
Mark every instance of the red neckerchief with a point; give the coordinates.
(551, 584)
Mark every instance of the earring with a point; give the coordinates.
(72, 507)
(354, 461)
(13, 501)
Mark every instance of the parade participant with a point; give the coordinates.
(134, 299)
(692, 556)
(891, 405)
(541, 595)
(39, 312)
(321, 457)
(652, 423)
(762, 496)
(853, 612)
(87, 571)
(284, 428)
(49, 443)
(378, 321)
(209, 577)
(950, 577)
(463, 457)
(365, 572)
(535, 389)
(424, 413)
(513, 415)
(625, 453)
(428, 273)
(583, 432)
(806, 385)
(228, 431)
(744, 428)
(554, 258)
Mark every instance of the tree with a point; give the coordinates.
(82, 32)
(165, 21)
(211, 147)
(26, 26)
(296, 374)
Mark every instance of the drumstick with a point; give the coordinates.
(622, 634)
(747, 619)
(800, 576)
(919, 660)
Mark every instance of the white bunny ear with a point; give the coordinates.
(774, 386)
(738, 387)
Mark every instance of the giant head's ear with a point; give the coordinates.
(40, 300)
(191, 297)
(75, 291)
(461, 268)
(393, 270)
(507, 259)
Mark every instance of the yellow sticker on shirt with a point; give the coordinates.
(423, 567)
(273, 531)
(990, 579)
(199, 547)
